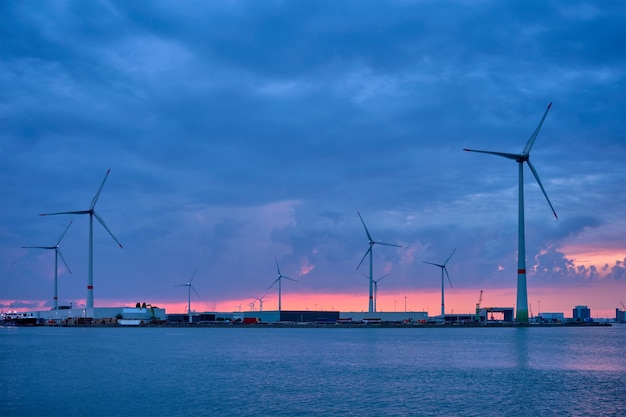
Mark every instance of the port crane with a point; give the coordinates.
(480, 300)
(623, 306)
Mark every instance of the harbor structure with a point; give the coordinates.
(103, 315)
(581, 313)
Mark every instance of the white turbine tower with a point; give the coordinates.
(260, 301)
(376, 281)
(443, 269)
(521, 313)
(57, 254)
(189, 288)
(372, 242)
(279, 280)
(92, 213)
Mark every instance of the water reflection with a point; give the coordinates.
(521, 347)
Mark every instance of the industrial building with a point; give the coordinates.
(581, 313)
(105, 315)
(551, 318)
(298, 316)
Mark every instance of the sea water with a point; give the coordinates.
(532, 371)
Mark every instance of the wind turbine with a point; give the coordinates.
(57, 253)
(372, 242)
(443, 269)
(260, 301)
(189, 288)
(92, 212)
(521, 313)
(279, 280)
(375, 281)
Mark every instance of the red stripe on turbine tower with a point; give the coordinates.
(521, 271)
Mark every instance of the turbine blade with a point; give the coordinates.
(67, 212)
(277, 268)
(192, 276)
(68, 226)
(379, 279)
(363, 258)
(63, 259)
(107, 229)
(39, 247)
(513, 156)
(387, 244)
(291, 279)
(194, 290)
(431, 263)
(446, 262)
(275, 281)
(366, 231)
(531, 140)
(534, 171)
(95, 198)
(445, 269)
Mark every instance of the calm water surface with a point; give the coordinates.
(313, 372)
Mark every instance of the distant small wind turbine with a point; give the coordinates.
(279, 280)
(189, 288)
(376, 281)
(521, 313)
(260, 301)
(369, 251)
(57, 254)
(92, 212)
(443, 269)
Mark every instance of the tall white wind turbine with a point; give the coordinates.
(376, 281)
(57, 254)
(92, 213)
(279, 280)
(189, 288)
(369, 251)
(521, 313)
(260, 301)
(443, 269)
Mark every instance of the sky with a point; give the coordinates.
(240, 132)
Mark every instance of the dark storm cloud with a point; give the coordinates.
(242, 131)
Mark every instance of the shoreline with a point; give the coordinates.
(297, 325)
